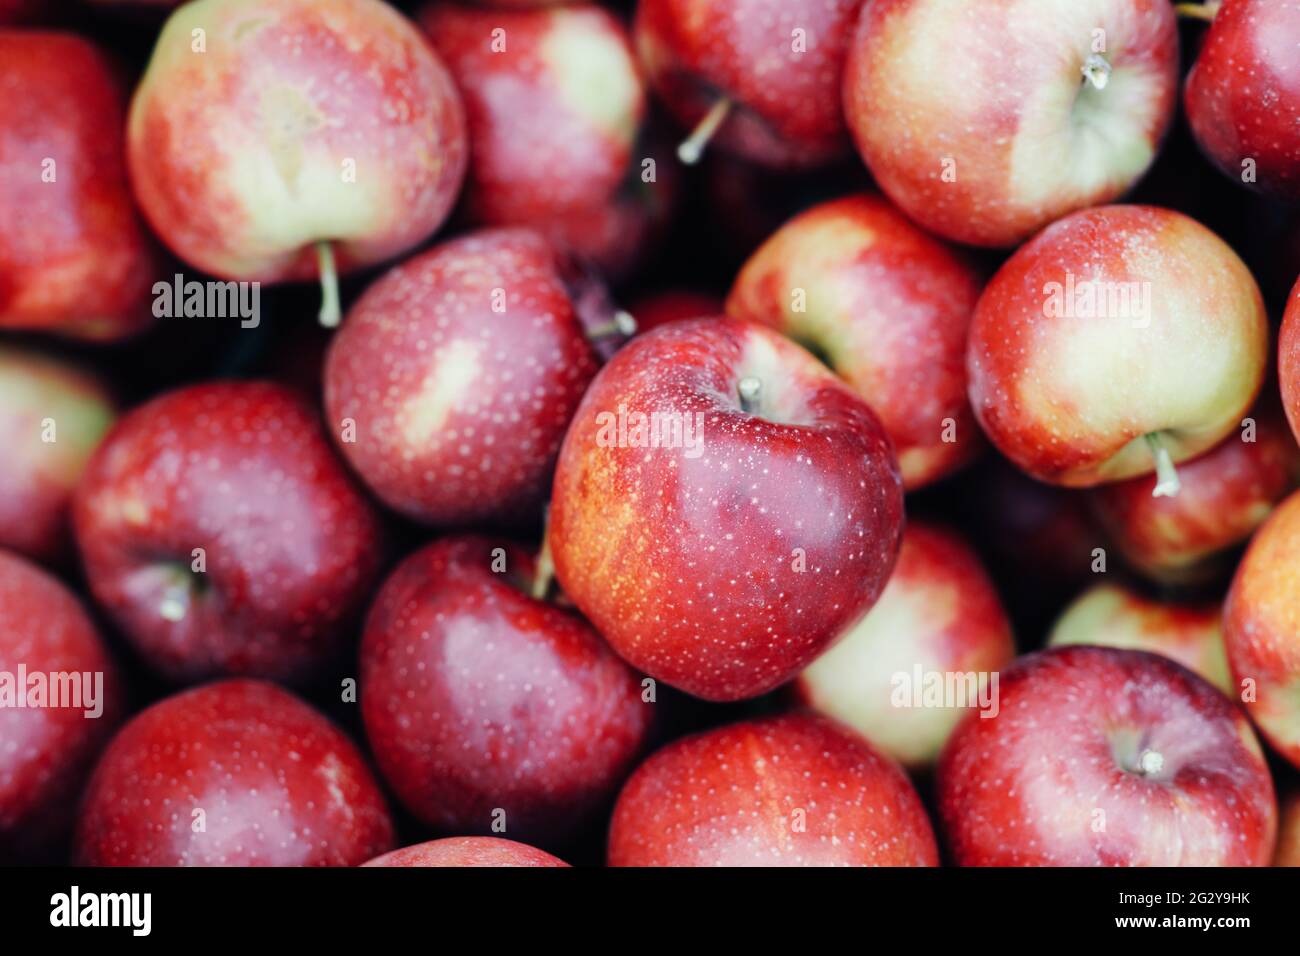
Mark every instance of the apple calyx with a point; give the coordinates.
(691, 149)
(749, 389)
(1167, 483)
(1096, 70)
(330, 313)
(1206, 11)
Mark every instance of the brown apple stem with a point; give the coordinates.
(622, 323)
(544, 573)
(1167, 483)
(1096, 70)
(749, 388)
(330, 313)
(692, 147)
(1206, 11)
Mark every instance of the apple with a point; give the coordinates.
(887, 307)
(938, 615)
(792, 790)
(1243, 94)
(459, 370)
(75, 259)
(1106, 757)
(1113, 615)
(757, 78)
(20, 11)
(1288, 840)
(672, 305)
(488, 709)
(1261, 627)
(223, 537)
(1288, 360)
(235, 773)
(985, 120)
(724, 507)
(52, 415)
(274, 140)
(467, 851)
(1117, 341)
(50, 741)
(1225, 494)
(553, 102)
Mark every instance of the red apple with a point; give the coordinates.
(938, 615)
(52, 415)
(758, 78)
(1243, 94)
(985, 120)
(672, 305)
(48, 743)
(724, 507)
(1261, 625)
(301, 131)
(236, 773)
(795, 790)
(20, 11)
(467, 851)
(1225, 494)
(1288, 838)
(489, 710)
(887, 307)
(460, 370)
(1112, 615)
(1106, 757)
(289, 546)
(1117, 341)
(1288, 360)
(553, 102)
(75, 258)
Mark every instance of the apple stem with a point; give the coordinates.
(622, 323)
(1167, 483)
(1206, 11)
(175, 604)
(1151, 762)
(1096, 70)
(330, 313)
(692, 148)
(544, 573)
(749, 389)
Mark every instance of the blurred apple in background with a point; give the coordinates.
(887, 308)
(1288, 838)
(1112, 615)
(986, 120)
(938, 615)
(74, 259)
(53, 414)
(467, 851)
(672, 305)
(1117, 342)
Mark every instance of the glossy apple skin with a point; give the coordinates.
(37, 476)
(1288, 838)
(238, 154)
(478, 698)
(888, 307)
(787, 111)
(726, 570)
(242, 470)
(793, 790)
(1112, 615)
(1243, 93)
(1288, 360)
(467, 851)
(1226, 494)
(1070, 398)
(552, 118)
(460, 410)
(48, 752)
(940, 611)
(997, 88)
(1035, 785)
(1261, 625)
(279, 785)
(81, 264)
(672, 305)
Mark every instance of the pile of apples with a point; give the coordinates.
(717, 385)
